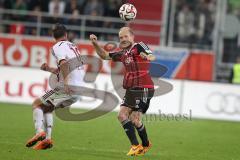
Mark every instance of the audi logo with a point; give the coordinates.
(227, 103)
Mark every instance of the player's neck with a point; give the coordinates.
(61, 39)
(128, 48)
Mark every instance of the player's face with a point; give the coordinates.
(126, 39)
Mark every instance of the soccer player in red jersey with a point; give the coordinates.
(138, 84)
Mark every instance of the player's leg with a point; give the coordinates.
(123, 117)
(47, 142)
(38, 123)
(55, 101)
(136, 120)
(142, 105)
(48, 100)
(41, 106)
(136, 117)
(48, 124)
(38, 115)
(48, 118)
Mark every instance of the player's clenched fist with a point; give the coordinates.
(93, 38)
(44, 66)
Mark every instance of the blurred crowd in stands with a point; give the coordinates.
(194, 22)
(231, 48)
(55, 9)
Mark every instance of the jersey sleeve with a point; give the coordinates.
(116, 56)
(142, 47)
(60, 53)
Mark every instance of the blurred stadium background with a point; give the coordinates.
(197, 40)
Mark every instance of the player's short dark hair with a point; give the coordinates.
(59, 30)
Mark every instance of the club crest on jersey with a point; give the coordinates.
(128, 60)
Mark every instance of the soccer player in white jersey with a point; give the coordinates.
(63, 51)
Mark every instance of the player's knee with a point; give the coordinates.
(36, 104)
(48, 125)
(122, 117)
(136, 122)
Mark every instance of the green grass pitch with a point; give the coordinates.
(104, 139)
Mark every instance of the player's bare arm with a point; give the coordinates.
(149, 57)
(46, 67)
(100, 51)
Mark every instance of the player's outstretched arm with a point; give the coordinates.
(46, 67)
(100, 51)
(145, 52)
(149, 57)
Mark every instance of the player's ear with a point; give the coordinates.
(132, 37)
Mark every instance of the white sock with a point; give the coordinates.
(38, 119)
(44, 123)
(49, 124)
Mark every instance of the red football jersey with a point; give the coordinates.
(136, 67)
